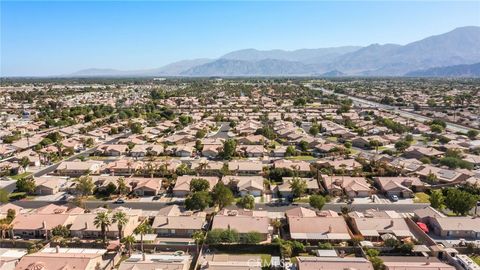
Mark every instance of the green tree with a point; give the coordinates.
(460, 202)
(61, 230)
(436, 199)
(121, 219)
(472, 134)
(314, 130)
(317, 201)
(303, 145)
(199, 184)
(142, 230)
(84, 185)
(222, 195)
(229, 236)
(214, 237)
(199, 238)
(102, 220)
(128, 241)
(290, 151)
(24, 162)
(122, 188)
(247, 202)
(298, 187)
(198, 201)
(229, 148)
(402, 145)
(26, 185)
(436, 128)
(250, 238)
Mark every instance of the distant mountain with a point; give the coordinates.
(173, 69)
(333, 73)
(460, 46)
(450, 71)
(266, 67)
(306, 56)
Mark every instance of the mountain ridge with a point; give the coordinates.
(460, 46)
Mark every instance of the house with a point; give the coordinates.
(400, 186)
(302, 168)
(333, 263)
(465, 227)
(170, 221)
(245, 185)
(182, 184)
(123, 167)
(146, 186)
(10, 257)
(207, 167)
(78, 168)
(251, 150)
(351, 186)
(84, 227)
(414, 262)
(244, 221)
(245, 167)
(285, 190)
(365, 142)
(442, 175)
(233, 262)
(211, 151)
(114, 150)
(347, 165)
(142, 150)
(64, 259)
(156, 261)
(184, 150)
(373, 224)
(419, 151)
(38, 225)
(307, 225)
(252, 139)
(48, 185)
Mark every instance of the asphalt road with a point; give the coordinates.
(451, 126)
(87, 152)
(153, 206)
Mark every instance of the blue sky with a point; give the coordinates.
(50, 38)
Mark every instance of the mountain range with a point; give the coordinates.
(448, 54)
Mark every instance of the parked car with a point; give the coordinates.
(394, 198)
(119, 201)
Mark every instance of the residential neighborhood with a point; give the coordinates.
(234, 174)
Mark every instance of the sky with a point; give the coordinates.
(54, 38)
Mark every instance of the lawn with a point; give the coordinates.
(421, 197)
(476, 259)
(304, 158)
(20, 176)
(332, 139)
(302, 200)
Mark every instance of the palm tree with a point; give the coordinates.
(277, 224)
(121, 219)
(129, 241)
(199, 238)
(143, 229)
(103, 221)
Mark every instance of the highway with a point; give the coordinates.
(450, 126)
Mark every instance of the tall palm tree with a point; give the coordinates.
(129, 241)
(199, 238)
(121, 219)
(103, 221)
(143, 229)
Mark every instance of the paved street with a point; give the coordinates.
(151, 206)
(451, 126)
